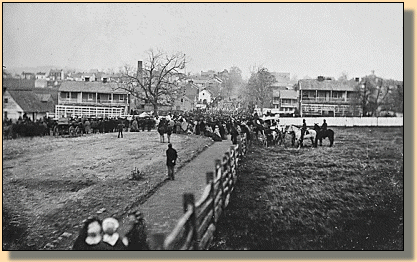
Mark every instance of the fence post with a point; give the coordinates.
(220, 169)
(232, 161)
(227, 177)
(210, 180)
(188, 200)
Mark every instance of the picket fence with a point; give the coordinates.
(345, 121)
(195, 229)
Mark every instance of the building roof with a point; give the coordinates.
(89, 74)
(289, 94)
(207, 91)
(93, 87)
(77, 75)
(16, 83)
(29, 101)
(44, 97)
(314, 84)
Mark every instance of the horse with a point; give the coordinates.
(323, 134)
(310, 133)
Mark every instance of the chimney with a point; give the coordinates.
(140, 75)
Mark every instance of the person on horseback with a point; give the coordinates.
(303, 131)
(324, 126)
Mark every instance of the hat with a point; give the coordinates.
(110, 224)
(93, 233)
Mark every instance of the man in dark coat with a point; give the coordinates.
(171, 161)
(120, 128)
(324, 126)
(234, 133)
(303, 130)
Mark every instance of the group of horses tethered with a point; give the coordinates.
(275, 134)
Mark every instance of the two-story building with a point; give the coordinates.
(28, 76)
(205, 97)
(92, 99)
(327, 97)
(56, 75)
(41, 75)
(88, 77)
(187, 97)
(286, 101)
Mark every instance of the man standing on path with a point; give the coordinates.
(171, 161)
(120, 128)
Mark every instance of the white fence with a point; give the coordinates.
(345, 121)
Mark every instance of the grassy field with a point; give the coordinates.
(345, 197)
(51, 184)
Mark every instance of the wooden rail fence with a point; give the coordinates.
(195, 229)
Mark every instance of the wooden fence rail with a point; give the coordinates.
(195, 229)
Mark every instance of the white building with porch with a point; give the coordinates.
(322, 97)
(92, 99)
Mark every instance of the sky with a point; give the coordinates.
(303, 39)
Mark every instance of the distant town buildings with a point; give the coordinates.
(96, 93)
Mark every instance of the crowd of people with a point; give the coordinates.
(214, 125)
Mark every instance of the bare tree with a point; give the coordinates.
(372, 93)
(259, 86)
(232, 80)
(343, 76)
(156, 80)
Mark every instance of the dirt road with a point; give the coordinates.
(51, 184)
(163, 209)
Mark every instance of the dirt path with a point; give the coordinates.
(163, 209)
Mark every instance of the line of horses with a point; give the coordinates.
(275, 135)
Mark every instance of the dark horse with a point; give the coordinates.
(323, 134)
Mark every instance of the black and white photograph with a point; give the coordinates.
(203, 126)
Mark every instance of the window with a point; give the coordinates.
(90, 96)
(121, 97)
(337, 94)
(6, 100)
(182, 100)
(74, 95)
